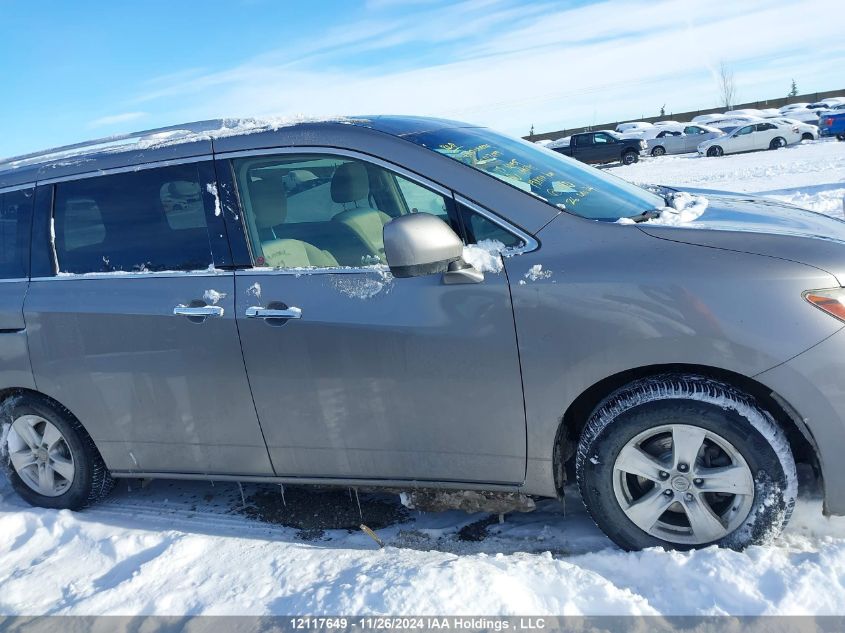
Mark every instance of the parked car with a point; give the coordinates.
(731, 121)
(833, 125)
(706, 118)
(749, 138)
(801, 105)
(683, 141)
(633, 126)
(808, 132)
(805, 115)
(342, 335)
(652, 132)
(604, 146)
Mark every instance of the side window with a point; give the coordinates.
(480, 228)
(145, 221)
(582, 140)
(321, 210)
(746, 130)
(602, 139)
(692, 129)
(15, 215)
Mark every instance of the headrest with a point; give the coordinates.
(350, 182)
(296, 177)
(183, 189)
(269, 203)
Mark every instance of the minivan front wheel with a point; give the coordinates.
(682, 462)
(48, 457)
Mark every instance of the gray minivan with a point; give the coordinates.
(421, 305)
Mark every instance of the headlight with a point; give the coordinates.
(831, 301)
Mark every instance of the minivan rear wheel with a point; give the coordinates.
(683, 462)
(48, 457)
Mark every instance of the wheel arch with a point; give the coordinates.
(575, 418)
(8, 395)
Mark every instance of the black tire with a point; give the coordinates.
(658, 151)
(629, 158)
(840, 137)
(91, 480)
(715, 151)
(701, 404)
(806, 136)
(777, 142)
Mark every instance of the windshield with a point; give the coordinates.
(548, 175)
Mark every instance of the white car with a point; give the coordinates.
(633, 126)
(807, 131)
(745, 112)
(681, 140)
(749, 138)
(732, 121)
(794, 106)
(805, 115)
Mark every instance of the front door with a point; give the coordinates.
(357, 374)
(133, 329)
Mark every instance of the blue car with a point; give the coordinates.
(833, 125)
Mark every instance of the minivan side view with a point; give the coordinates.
(415, 304)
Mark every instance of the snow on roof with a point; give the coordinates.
(163, 137)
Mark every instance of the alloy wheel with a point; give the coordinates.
(683, 484)
(40, 455)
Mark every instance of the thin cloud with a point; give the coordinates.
(114, 119)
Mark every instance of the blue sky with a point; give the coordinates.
(77, 70)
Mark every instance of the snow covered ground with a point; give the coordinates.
(175, 548)
(810, 174)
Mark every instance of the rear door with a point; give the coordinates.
(132, 325)
(356, 374)
(15, 217)
(583, 148)
(605, 148)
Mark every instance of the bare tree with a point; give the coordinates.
(727, 88)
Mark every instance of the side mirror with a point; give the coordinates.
(420, 244)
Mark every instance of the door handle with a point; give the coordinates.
(257, 312)
(200, 311)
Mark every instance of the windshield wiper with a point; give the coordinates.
(645, 216)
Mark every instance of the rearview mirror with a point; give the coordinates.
(420, 244)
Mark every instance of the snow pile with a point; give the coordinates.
(485, 256)
(212, 297)
(830, 201)
(685, 208)
(212, 189)
(183, 548)
(364, 286)
(536, 272)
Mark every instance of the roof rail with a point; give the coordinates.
(196, 127)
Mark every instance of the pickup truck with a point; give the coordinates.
(832, 125)
(604, 146)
